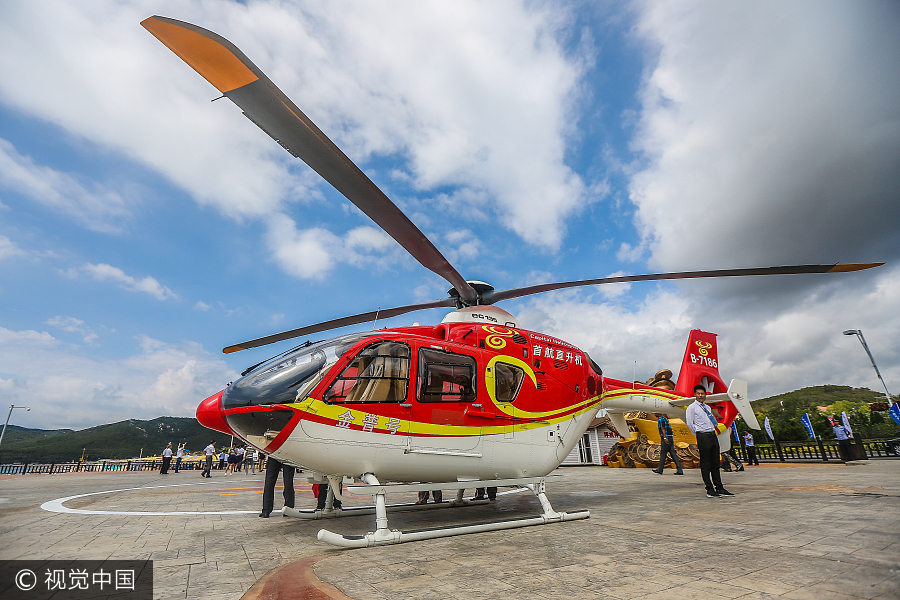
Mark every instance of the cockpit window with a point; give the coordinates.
(291, 377)
(379, 373)
(446, 377)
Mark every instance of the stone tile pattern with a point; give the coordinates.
(798, 532)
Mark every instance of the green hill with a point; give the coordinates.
(14, 433)
(124, 439)
(784, 412)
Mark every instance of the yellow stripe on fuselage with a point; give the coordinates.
(332, 412)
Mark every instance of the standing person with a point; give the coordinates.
(273, 466)
(666, 446)
(239, 461)
(491, 493)
(423, 497)
(702, 423)
(322, 496)
(166, 459)
(179, 456)
(751, 449)
(843, 438)
(232, 460)
(223, 456)
(210, 452)
(250, 460)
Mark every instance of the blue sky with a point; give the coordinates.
(143, 228)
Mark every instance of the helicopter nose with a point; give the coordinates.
(210, 414)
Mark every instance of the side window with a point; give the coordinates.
(508, 380)
(379, 373)
(446, 377)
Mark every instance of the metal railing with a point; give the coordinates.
(96, 466)
(822, 450)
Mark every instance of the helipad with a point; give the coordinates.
(819, 531)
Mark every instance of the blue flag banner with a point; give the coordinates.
(769, 429)
(806, 423)
(734, 431)
(846, 421)
(895, 412)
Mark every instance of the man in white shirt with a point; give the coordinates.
(843, 436)
(179, 456)
(210, 452)
(702, 423)
(751, 449)
(166, 459)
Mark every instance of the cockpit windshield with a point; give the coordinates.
(289, 378)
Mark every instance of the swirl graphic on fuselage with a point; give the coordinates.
(496, 339)
(704, 348)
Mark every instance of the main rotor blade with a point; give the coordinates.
(497, 296)
(227, 68)
(342, 322)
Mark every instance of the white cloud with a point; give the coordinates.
(158, 379)
(98, 208)
(308, 254)
(8, 248)
(73, 325)
(614, 290)
(201, 305)
(771, 133)
(312, 253)
(463, 243)
(147, 285)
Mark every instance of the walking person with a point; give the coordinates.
(667, 446)
(703, 424)
(179, 456)
(751, 449)
(210, 452)
(273, 467)
(166, 459)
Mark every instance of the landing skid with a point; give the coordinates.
(383, 535)
(333, 513)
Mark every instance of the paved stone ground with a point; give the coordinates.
(812, 531)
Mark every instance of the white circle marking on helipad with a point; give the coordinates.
(57, 505)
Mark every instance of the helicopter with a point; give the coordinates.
(474, 401)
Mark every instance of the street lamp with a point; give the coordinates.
(858, 333)
(2, 433)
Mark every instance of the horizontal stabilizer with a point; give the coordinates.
(737, 393)
(618, 421)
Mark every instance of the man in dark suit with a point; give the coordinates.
(273, 467)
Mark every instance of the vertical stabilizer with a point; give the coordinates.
(700, 365)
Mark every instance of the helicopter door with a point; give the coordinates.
(371, 395)
(505, 380)
(445, 390)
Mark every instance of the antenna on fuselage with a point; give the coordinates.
(375, 322)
